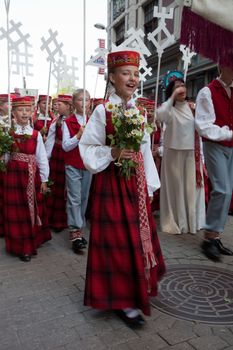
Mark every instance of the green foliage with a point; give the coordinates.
(6, 141)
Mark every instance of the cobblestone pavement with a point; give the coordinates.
(41, 304)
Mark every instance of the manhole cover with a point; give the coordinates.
(197, 293)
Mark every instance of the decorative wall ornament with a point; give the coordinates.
(65, 73)
(186, 57)
(161, 45)
(51, 45)
(53, 49)
(135, 40)
(19, 47)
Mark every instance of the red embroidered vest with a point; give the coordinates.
(223, 106)
(73, 157)
(25, 144)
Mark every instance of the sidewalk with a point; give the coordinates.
(41, 304)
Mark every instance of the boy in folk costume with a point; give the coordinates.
(56, 202)
(124, 258)
(214, 122)
(25, 224)
(78, 178)
(39, 118)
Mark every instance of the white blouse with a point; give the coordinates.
(42, 117)
(205, 118)
(49, 143)
(41, 156)
(69, 143)
(96, 154)
(180, 131)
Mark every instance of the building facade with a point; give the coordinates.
(138, 14)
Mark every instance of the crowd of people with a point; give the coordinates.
(75, 161)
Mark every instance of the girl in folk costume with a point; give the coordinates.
(124, 259)
(56, 202)
(182, 195)
(55, 107)
(40, 122)
(78, 178)
(4, 122)
(25, 224)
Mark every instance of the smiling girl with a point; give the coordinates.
(124, 263)
(25, 224)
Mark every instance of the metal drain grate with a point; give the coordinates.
(197, 293)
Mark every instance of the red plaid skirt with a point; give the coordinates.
(56, 202)
(115, 269)
(1, 205)
(20, 237)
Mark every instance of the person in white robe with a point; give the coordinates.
(182, 201)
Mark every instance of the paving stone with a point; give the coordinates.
(178, 334)
(8, 338)
(208, 343)
(41, 304)
(180, 346)
(203, 330)
(91, 343)
(224, 333)
(146, 343)
(68, 335)
(117, 337)
(122, 347)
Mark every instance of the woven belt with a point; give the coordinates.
(31, 193)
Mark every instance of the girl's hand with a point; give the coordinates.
(43, 187)
(122, 153)
(80, 132)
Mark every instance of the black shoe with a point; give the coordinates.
(78, 245)
(137, 321)
(25, 258)
(84, 241)
(223, 250)
(210, 249)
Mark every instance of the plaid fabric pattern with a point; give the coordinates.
(115, 268)
(1, 205)
(20, 237)
(56, 202)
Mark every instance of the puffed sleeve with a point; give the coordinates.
(49, 143)
(96, 155)
(152, 177)
(41, 159)
(163, 113)
(205, 118)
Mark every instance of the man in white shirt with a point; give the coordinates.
(214, 122)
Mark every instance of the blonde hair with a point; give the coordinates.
(77, 92)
